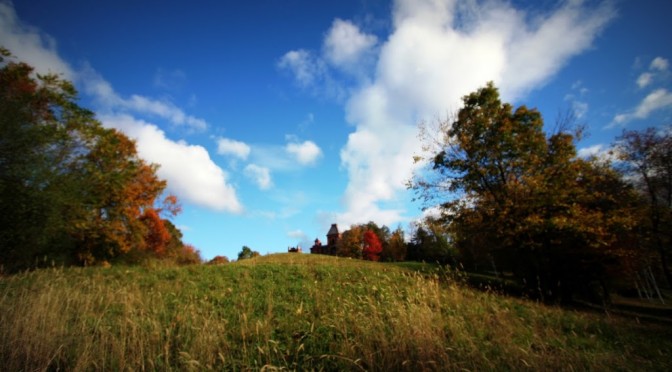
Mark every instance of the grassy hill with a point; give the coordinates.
(292, 311)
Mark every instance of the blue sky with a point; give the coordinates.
(273, 119)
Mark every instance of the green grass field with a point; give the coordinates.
(301, 312)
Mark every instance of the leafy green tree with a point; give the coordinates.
(247, 253)
(525, 198)
(430, 243)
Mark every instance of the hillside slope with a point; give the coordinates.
(293, 311)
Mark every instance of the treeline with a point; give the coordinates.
(517, 201)
(72, 191)
(429, 242)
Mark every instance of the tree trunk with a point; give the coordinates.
(665, 266)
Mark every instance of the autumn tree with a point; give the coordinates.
(372, 248)
(71, 190)
(351, 242)
(189, 255)
(526, 198)
(218, 260)
(396, 248)
(646, 160)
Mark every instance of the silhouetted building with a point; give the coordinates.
(333, 236)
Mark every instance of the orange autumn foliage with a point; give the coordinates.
(157, 236)
(189, 255)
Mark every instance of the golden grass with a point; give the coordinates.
(298, 312)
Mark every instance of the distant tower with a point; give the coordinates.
(333, 236)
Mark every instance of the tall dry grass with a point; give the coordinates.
(299, 312)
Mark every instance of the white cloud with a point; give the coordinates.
(305, 67)
(30, 45)
(305, 153)
(600, 152)
(644, 79)
(164, 110)
(656, 100)
(537, 50)
(439, 51)
(108, 99)
(587, 152)
(346, 46)
(260, 175)
(660, 64)
(226, 146)
(190, 172)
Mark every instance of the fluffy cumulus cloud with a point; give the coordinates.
(438, 51)
(305, 153)
(191, 173)
(260, 175)
(346, 46)
(346, 49)
(189, 170)
(226, 146)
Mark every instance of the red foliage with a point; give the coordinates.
(157, 235)
(372, 246)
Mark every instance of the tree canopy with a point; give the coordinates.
(525, 201)
(71, 190)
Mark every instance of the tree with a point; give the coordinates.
(525, 198)
(34, 192)
(396, 248)
(71, 190)
(372, 246)
(246, 253)
(351, 242)
(219, 260)
(647, 160)
(189, 255)
(430, 243)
